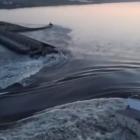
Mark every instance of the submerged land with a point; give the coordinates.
(9, 4)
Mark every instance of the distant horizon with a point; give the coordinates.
(10, 4)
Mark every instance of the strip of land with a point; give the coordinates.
(9, 4)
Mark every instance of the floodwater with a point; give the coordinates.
(104, 59)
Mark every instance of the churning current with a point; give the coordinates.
(102, 57)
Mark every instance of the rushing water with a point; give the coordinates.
(104, 60)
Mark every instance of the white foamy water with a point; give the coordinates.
(14, 68)
(85, 120)
(14, 72)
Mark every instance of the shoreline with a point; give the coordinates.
(8, 7)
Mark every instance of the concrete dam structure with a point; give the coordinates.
(21, 44)
(5, 26)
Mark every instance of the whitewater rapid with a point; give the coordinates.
(83, 120)
(15, 68)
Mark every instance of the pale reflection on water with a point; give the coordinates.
(104, 29)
